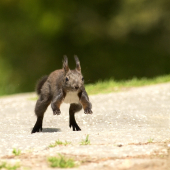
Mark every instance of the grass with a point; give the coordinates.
(6, 166)
(113, 86)
(150, 140)
(58, 142)
(61, 162)
(85, 141)
(16, 152)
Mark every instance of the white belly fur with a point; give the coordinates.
(71, 97)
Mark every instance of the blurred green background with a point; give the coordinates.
(118, 39)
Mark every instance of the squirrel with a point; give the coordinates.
(60, 86)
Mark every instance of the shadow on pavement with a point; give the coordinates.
(50, 130)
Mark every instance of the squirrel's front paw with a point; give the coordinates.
(56, 112)
(88, 111)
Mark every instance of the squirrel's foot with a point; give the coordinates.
(75, 126)
(56, 112)
(88, 111)
(37, 128)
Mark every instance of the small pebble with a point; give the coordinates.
(119, 145)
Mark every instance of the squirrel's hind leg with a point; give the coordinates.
(41, 106)
(72, 122)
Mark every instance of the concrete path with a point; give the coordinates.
(127, 130)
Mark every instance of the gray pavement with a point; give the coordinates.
(128, 119)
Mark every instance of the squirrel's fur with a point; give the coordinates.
(60, 86)
(40, 84)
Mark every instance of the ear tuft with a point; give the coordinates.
(78, 67)
(65, 64)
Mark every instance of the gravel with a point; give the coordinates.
(121, 125)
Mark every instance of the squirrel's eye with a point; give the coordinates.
(82, 79)
(67, 79)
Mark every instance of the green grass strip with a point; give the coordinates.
(114, 86)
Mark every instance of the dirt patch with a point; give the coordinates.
(39, 162)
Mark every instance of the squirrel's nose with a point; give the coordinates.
(76, 87)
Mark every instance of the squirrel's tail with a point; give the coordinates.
(40, 84)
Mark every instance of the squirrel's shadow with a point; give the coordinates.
(51, 130)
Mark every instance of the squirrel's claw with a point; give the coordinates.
(37, 129)
(88, 111)
(56, 112)
(75, 127)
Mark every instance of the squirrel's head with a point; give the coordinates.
(73, 79)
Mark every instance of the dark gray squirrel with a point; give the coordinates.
(60, 86)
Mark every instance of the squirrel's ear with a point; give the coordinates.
(78, 67)
(65, 64)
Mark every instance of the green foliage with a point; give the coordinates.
(16, 152)
(61, 162)
(58, 142)
(113, 39)
(5, 166)
(85, 141)
(7, 86)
